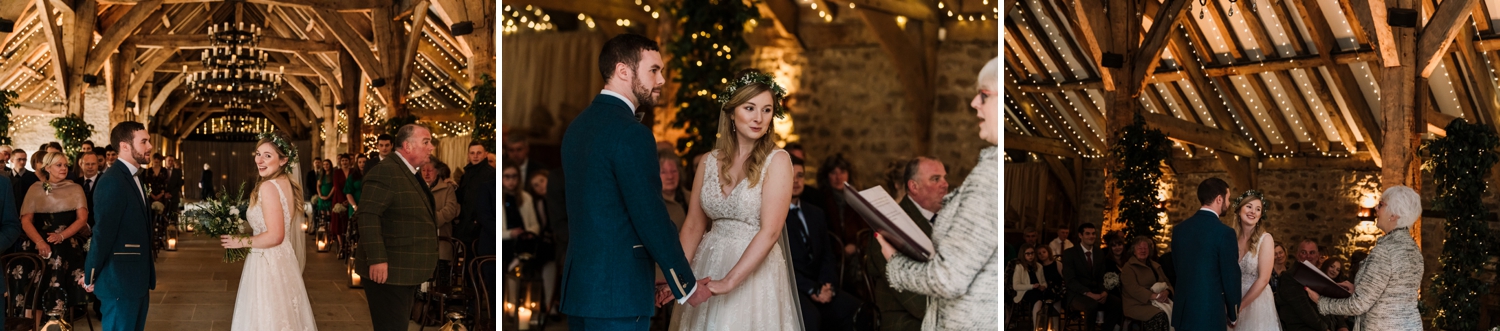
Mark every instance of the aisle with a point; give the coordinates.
(195, 290)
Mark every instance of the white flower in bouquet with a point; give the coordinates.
(157, 206)
(339, 208)
(1111, 280)
(234, 212)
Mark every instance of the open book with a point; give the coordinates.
(1316, 280)
(886, 217)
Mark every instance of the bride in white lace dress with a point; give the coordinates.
(1257, 256)
(271, 294)
(744, 188)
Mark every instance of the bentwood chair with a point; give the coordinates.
(23, 278)
(482, 275)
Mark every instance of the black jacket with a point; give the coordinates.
(1297, 311)
(812, 259)
(1081, 276)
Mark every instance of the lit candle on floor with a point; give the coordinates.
(524, 319)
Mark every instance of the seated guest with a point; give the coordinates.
(1118, 256)
(1061, 243)
(1029, 283)
(1083, 268)
(1295, 309)
(823, 307)
(521, 225)
(925, 178)
(1334, 267)
(1146, 295)
(1053, 273)
(1278, 267)
(1385, 289)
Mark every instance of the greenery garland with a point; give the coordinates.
(394, 124)
(1139, 151)
(7, 100)
(72, 131)
(711, 34)
(1459, 164)
(483, 110)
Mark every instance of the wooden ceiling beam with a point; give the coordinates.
(1249, 12)
(54, 36)
(917, 10)
(163, 93)
(357, 46)
(1219, 19)
(1284, 17)
(1085, 23)
(409, 55)
(1073, 119)
(116, 33)
(1357, 23)
(1303, 62)
(340, 5)
(1461, 90)
(1371, 15)
(1031, 23)
(1271, 105)
(200, 41)
(1041, 145)
(1239, 111)
(1305, 116)
(1148, 56)
(1433, 41)
(1320, 88)
(1200, 135)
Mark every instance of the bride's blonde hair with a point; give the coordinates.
(275, 146)
(728, 142)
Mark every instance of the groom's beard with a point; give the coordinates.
(643, 95)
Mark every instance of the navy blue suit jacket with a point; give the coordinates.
(813, 261)
(120, 262)
(10, 222)
(617, 223)
(1208, 273)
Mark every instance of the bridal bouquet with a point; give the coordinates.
(222, 215)
(1111, 280)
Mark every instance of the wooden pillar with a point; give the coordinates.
(353, 84)
(483, 42)
(1401, 107)
(330, 122)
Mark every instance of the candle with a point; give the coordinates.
(523, 319)
(172, 243)
(355, 278)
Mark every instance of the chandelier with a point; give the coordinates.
(234, 68)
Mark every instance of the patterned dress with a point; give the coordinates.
(54, 211)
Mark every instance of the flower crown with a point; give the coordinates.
(1247, 196)
(282, 145)
(753, 77)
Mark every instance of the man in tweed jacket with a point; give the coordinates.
(398, 241)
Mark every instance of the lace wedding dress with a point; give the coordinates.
(765, 300)
(1259, 315)
(272, 295)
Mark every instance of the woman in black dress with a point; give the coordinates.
(55, 219)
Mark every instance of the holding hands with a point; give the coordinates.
(824, 295)
(664, 294)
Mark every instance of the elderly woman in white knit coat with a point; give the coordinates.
(1385, 290)
(962, 278)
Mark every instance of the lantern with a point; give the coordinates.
(353, 276)
(322, 239)
(172, 238)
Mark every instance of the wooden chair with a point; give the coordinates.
(23, 286)
(448, 288)
(484, 300)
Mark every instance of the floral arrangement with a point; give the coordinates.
(221, 215)
(339, 208)
(157, 206)
(1111, 280)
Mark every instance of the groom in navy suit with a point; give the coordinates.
(1207, 263)
(618, 225)
(119, 269)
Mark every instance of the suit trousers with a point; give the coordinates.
(637, 323)
(837, 314)
(390, 305)
(124, 314)
(1090, 308)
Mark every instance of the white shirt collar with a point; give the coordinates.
(131, 167)
(1216, 214)
(925, 213)
(403, 161)
(622, 98)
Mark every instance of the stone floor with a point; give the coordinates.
(195, 290)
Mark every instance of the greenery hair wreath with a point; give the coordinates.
(753, 77)
(1247, 197)
(282, 145)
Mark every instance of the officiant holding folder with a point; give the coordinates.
(1385, 290)
(962, 275)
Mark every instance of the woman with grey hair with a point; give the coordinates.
(1385, 289)
(962, 277)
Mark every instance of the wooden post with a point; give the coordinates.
(352, 86)
(330, 122)
(483, 41)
